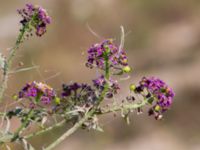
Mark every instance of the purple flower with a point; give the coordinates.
(81, 94)
(45, 100)
(100, 82)
(34, 17)
(39, 91)
(96, 55)
(159, 94)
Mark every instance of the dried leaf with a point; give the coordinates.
(26, 145)
(6, 137)
(24, 69)
(125, 114)
(7, 125)
(8, 147)
(127, 119)
(122, 39)
(98, 128)
(44, 120)
(2, 61)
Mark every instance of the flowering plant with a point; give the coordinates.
(78, 103)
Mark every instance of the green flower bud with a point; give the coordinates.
(127, 69)
(107, 49)
(15, 97)
(132, 87)
(57, 100)
(157, 108)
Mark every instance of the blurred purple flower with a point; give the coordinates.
(38, 90)
(36, 17)
(81, 94)
(96, 55)
(159, 92)
(100, 82)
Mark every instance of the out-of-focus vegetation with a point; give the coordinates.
(163, 39)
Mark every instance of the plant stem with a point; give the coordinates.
(90, 113)
(8, 63)
(107, 67)
(126, 107)
(70, 131)
(106, 111)
(23, 125)
(59, 124)
(78, 124)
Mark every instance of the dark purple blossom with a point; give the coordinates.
(45, 100)
(159, 93)
(113, 86)
(97, 52)
(34, 17)
(80, 94)
(100, 82)
(38, 91)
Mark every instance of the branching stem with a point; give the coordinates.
(91, 112)
(8, 62)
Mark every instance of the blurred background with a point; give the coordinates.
(162, 39)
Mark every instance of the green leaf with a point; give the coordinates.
(150, 100)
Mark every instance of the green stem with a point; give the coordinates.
(8, 63)
(106, 111)
(23, 125)
(85, 118)
(70, 131)
(107, 77)
(107, 67)
(59, 124)
(90, 113)
(124, 106)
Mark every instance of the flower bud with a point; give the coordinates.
(126, 69)
(132, 87)
(157, 108)
(57, 100)
(15, 97)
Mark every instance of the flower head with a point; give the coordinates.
(159, 93)
(100, 83)
(97, 53)
(38, 91)
(82, 94)
(34, 17)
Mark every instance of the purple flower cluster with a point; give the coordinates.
(97, 52)
(100, 82)
(36, 17)
(38, 91)
(161, 93)
(81, 94)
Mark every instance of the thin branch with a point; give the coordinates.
(8, 62)
(24, 69)
(93, 32)
(90, 113)
(123, 106)
(121, 46)
(70, 131)
(59, 124)
(23, 125)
